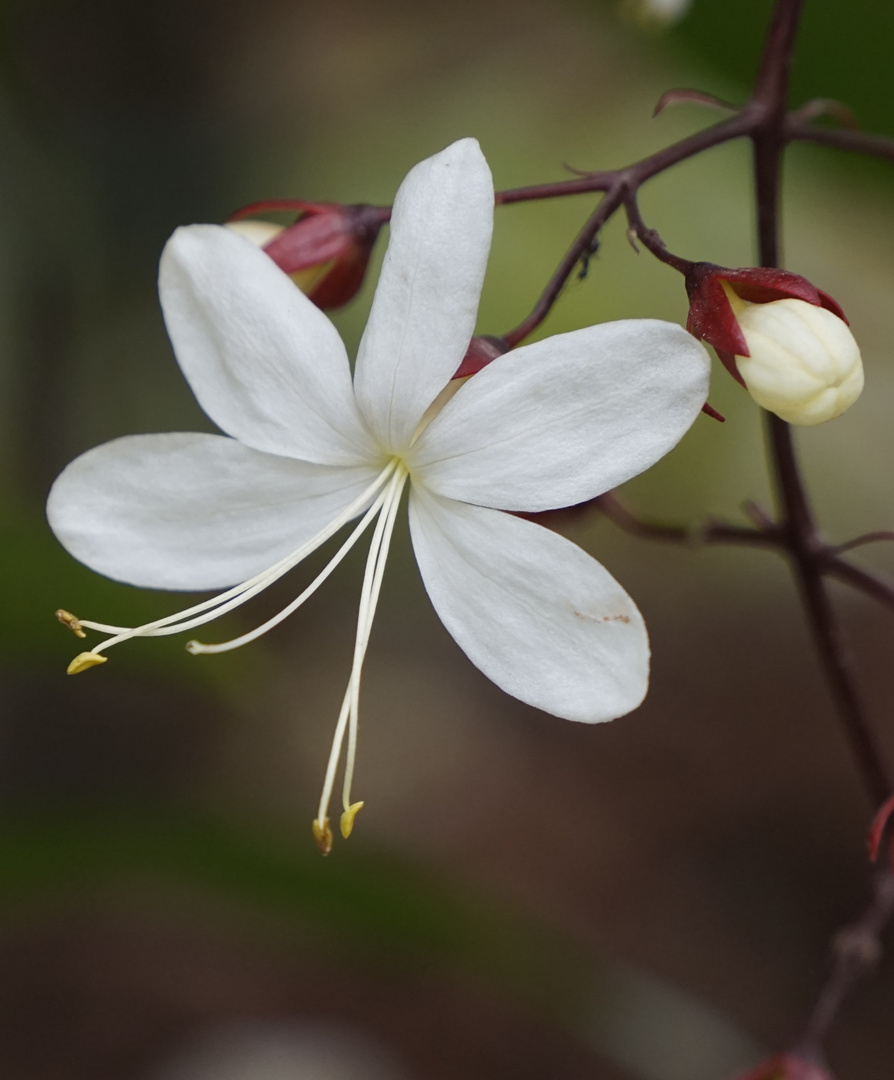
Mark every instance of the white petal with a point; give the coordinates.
(265, 364)
(563, 420)
(534, 612)
(190, 511)
(423, 314)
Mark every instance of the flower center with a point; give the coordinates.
(385, 492)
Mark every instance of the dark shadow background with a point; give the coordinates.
(523, 897)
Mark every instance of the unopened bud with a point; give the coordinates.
(325, 252)
(786, 341)
(803, 363)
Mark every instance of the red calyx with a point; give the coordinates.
(711, 316)
(324, 233)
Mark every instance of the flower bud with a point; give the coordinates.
(784, 340)
(325, 252)
(802, 363)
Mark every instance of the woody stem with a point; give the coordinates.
(798, 529)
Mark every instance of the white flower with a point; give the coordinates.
(546, 426)
(803, 363)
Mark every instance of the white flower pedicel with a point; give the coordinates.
(307, 450)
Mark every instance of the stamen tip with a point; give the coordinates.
(71, 621)
(347, 818)
(194, 647)
(85, 660)
(322, 835)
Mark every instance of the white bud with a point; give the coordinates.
(804, 364)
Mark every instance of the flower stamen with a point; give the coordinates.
(238, 594)
(198, 647)
(334, 754)
(323, 836)
(369, 598)
(71, 621)
(347, 818)
(85, 660)
(349, 714)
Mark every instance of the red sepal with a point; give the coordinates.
(319, 236)
(324, 233)
(711, 316)
(342, 282)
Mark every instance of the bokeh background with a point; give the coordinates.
(523, 897)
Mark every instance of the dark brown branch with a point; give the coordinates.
(580, 247)
(616, 185)
(771, 84)
(803, 543)
(632, 176)
(764, 534)
(806, 554)
(710, 532)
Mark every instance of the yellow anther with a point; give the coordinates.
(347, 818)
(323, 835)
(71, 621)
(85, 660)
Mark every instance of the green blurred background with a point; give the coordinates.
(523, 897)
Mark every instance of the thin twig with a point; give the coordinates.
(617, 186)
(866, 538)
(582, 245)
(857, 142)
(764, 534)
